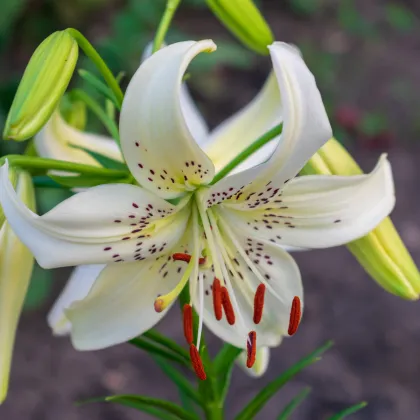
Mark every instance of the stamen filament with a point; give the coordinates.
(162, 302)
(251, 349)
(295, 315)
(227, 306)
(217, 299)
(188, 323)
(201, 309)
(259, 303)
(197, 363)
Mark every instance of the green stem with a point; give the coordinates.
(32, 162)
(88, 49)
(252, 148)
(98, 111)
(214, 412)
(168, 14)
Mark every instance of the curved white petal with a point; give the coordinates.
(244, 127)
(56, 139)
(108, 223)
(78, 286)
(16, 263)
(120, 305)
(320, 211)
(305, 129)
(193, 117)
(156, 141)
(261, 362)
(278, 269)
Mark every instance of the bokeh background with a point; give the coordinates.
(366, 57)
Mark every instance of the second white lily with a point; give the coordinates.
(229, 232)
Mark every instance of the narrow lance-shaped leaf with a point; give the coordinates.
(258, 402)
(348, 411)
(139, 401)
(293, 404)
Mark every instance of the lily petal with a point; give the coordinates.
(120, 303)
(243, 128)
(318, 211)
(305, 128)
(278, 269)
(193, 117)
(156, 141)
(78, 286)
(57, 138)
(261, 362)
(108, 223)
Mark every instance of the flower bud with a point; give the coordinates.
(43, 84)
(245, 21)
(381, 252)
(16, 263)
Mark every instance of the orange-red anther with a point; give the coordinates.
(159, 305)
(251, 349)
(197, 363)
(259, 303)
(217, 299)
(295, 314)
(227, 306)
(188, 323)
(186, 257)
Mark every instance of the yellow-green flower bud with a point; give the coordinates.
(43, 84)
(245, 21)
(381, 252)
(16, 263)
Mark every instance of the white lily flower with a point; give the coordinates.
(230, 231)
(16, 263)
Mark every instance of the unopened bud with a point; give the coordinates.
(43, 84)
(245, 21)
(381, 252)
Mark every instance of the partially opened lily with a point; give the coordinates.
(223, 239)
(59, 140)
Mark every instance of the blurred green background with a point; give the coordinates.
(365, 55)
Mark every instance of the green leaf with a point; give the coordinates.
(296, 401)
(258, 402)
(100, 86)
(181, 381)
(167, 342)
(223, 366)
(139, 402)
(348, 411)
(400, 17)
(95, 107)
(146, 345)
(82, 181)
(104, 161)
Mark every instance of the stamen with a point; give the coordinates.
(251, 349)
(186, 258)
(227, 306)
(188, 323)
(217, 299)
(197, 363)
(162, 302)
(295, 314)
(259, 303)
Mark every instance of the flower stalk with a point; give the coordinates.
(165, 22)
